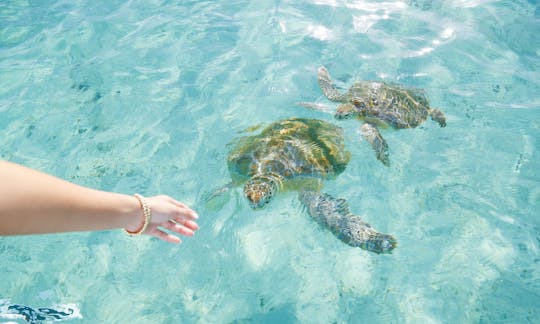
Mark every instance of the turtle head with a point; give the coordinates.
(260, 189)
(353, 109)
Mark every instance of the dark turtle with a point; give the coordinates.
(379, 104)
(298, 154)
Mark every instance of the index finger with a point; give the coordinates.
(184, 212)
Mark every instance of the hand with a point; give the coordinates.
(173, 215)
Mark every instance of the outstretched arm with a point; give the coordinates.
(32, 202)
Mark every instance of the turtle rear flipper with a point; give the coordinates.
(438, 116)
(334, 214)
(324, 208)
(371, 133)
(356, 232)
(327, 86)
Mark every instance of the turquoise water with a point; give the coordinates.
(144, 96)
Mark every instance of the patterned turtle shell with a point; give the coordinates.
(291, 148)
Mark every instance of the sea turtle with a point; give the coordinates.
(298, 154)
(378, 104)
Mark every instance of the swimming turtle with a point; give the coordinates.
(298, 154)
(378, 104)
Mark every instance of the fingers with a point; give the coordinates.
(191, 224)
(165, 236)
(186, 230)
(185, 211)
(171, 217)
(182, 211)
(180, 229)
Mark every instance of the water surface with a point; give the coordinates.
(144, 96)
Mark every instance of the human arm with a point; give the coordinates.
(32, 202)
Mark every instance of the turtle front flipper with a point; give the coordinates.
(371, 133)
(316, 106)
(211, 198)
(347, 111)
(334, 214)
(261, 188)
(327, 86)
(438, 116)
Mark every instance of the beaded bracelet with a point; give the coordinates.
(147, 216)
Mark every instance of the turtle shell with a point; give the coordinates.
(398, 106)
(294, 147)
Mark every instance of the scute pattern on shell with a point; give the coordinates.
(379, 104)
(398, 106)
(292, 148)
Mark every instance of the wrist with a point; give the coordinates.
(142, 219)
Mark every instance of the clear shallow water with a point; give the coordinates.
(144, 97)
